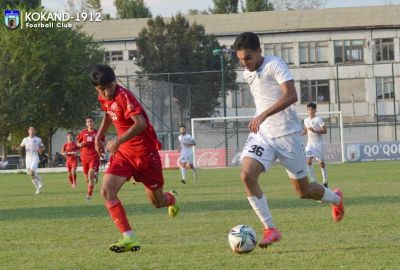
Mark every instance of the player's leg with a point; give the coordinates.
(310, 157)
(296, 168)
(33, 167)
(190, 161)
(73, 172)
(182, 167)
(111, 185)
(158, 198)
(85, 168)
(322, 165)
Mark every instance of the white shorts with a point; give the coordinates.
(315, 151)
(288, 149)
(31, 163)
(186, 159)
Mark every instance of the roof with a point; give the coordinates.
(262, 22)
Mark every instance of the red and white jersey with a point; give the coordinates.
(120, 110)
(70, 148)
(88, 150)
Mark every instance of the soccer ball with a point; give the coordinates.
(242, 239)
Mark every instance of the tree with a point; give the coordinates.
(41, 86)
(191, 12)
(257, 5)
(298, 4)
(74, 6)
(177, 46)
(225, 6)
(28, 4)
(132, 9)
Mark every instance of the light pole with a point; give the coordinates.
(221, 53)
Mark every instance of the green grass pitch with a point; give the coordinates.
(59, 229)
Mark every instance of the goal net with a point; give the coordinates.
(220, 140)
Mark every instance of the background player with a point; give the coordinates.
(70, 152)
(33, 145)
(186, 154)
(90, 159)
(314, 127)
(275, 132)
(134, 153)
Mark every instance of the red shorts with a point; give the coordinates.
(146, 169)
(93, 163)
(72, 164)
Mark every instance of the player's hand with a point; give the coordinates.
(311, 129)
(112, 146)
(254, 124)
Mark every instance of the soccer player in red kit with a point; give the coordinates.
(134, 153)
(70, 151)
(90, 158)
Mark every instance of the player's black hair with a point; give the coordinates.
(89, 117)
(70, 132)
(312, 105)
(102, 75)
(182, 126)
(247, 40)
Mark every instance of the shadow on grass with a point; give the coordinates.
(88, 211)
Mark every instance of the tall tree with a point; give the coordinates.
(191, 12)
(132, 9)
(257, 5)
(42, 87)
(74, 6)
(175, 47)
(225, 6)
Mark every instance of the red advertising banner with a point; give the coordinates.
(204, 158)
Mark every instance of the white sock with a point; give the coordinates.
(128, 234)
(39, 180)
(324, 175)
(260, 206)
(183, 173)
(194, 173)
(330, 197)
(35, 183)
(311, 173)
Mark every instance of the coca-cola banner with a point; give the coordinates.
(204, 158)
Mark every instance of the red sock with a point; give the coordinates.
(170, 198)
(74, 178)
(118, 215)
(70, 179)
(90, 190)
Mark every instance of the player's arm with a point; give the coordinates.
(289, 96)
(322, 130)
(137, 128)
(104, 126)
(304, 131)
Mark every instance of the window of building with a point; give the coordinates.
(131, 54)
(244, 98)
(313, 52)
(384, 88)
(282, 50)
(384, 49)
(349, 51)
(113, 56)
(314, 91)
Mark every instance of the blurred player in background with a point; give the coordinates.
(186, 154)
(90, 159)
(33, 145)
(314, 127)
(275, 132)
(70, 152)
(134, 153)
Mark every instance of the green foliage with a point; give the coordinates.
(45, 79)
(177, 46)
(225, 6)
(61, 227)
(132, 9)
(258, 5)
(27, 4)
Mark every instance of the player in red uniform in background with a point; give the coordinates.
(89, 157)
(134, 153)
(70, 151)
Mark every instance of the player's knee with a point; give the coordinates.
(309, 162)
(322, 164)
(247, 178)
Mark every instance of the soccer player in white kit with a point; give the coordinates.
(314, 127)
(186, 155)
(275, 132)
(32, 146)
